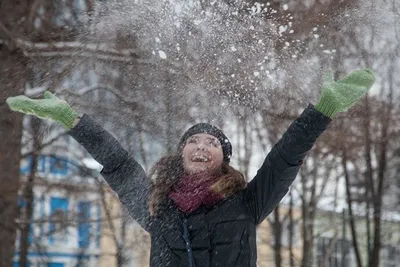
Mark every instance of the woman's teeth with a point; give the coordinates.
(200, 158)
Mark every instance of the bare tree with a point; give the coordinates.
(291, 230)
(28, 195)
(12, 77)
(18, 35)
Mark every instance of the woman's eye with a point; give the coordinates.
(213, 143)
(191, 141)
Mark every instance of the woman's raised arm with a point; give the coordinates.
(282, 164)
(124, 175)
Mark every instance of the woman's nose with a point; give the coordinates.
(201, 146)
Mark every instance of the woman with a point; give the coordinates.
(198, 210)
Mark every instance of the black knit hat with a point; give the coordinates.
(211, 130)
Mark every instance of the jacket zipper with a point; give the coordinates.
(186, 237)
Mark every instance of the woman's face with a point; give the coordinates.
(202, 152)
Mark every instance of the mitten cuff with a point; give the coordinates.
(326, 107)
(67, 118)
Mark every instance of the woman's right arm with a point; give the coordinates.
(124, 174)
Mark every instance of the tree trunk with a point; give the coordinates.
(351, 216)
(369, 171)
(28, 195)
(382, 168)
(291, 229)
(308, 237)
(12, 80)
(26, 217)
(308, 214)
(368, 220)
(121, 258)
(277, 226)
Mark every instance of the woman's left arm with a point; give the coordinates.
(283, 162)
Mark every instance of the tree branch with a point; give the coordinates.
(100, 51)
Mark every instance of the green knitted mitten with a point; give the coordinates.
(341, 95)
(51, 107)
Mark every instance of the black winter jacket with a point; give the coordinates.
(224, 235)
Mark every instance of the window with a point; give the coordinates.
(59, 166)
(333, 253)
(58, 220)
(83, 224)
(26, 164)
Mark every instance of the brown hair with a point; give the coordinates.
(169, 169)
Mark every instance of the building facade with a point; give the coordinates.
(65, 227)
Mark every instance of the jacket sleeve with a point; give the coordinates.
(124, 175)
(282, 163)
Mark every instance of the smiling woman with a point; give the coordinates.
(202, 152)
(200, 211)
(201, 175)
